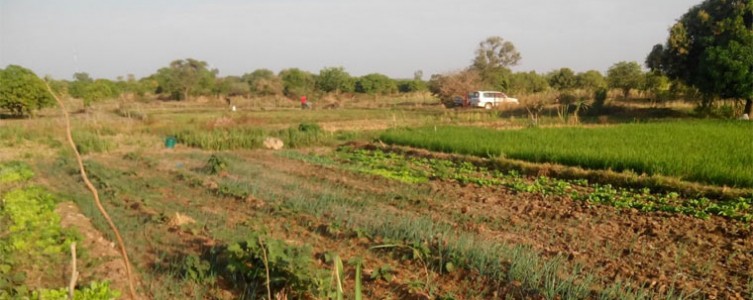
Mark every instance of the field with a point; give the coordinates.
(714, 152)
(399, 199)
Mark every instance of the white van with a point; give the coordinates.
(489, 99)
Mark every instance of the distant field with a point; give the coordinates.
(715, 152)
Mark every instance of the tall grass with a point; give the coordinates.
(714, 152)
(303, 135)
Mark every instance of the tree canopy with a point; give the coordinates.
(185, 77)
(22, 92)
(334, 79)
(625, 76)
(711, 48)
(562, 79)
(493, 60)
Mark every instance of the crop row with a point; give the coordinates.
(714, 152)
(415, 169)
(32, 240)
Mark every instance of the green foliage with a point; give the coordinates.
(716, 151)
(290, 267)
(15, 171)
(263, 82)
(232, 86)
(222, 139)
(184, 78)
(31, 237)
(423, 169)
(411, 86)
(374, 84)
(334, 80)
(95, 291)
(296, 82)
(658, 85)
(22, 92)
(711, 48)
(215, 164)
(562, 79)
(590, 80)
(89, 142)
(493, 60)
(385, 272)
(527, 82)
(625, 76)
(495, 52)
(99, 90)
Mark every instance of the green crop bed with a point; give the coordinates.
(712, 152)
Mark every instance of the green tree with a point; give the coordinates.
(655, 59)
(263, 82)
(296, 82)
(625, 76)
(563, 79)
(493, 60)
(373, 84)
(78, 86)
(711, 48)
(185, 77)
(232, 86)
(591, 81)
(99, 90)
(658, 85)
(334, 79)
(22, 92)
(528, 82)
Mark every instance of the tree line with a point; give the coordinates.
(709, 52)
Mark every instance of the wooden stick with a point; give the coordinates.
(74, 272)
(95, 193)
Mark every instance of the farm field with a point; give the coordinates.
(346, 199)
(714, 152)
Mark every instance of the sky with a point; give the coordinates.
(108, 38)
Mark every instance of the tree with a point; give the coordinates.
(296, 82)
(22, 92)
(655, 59)
(334, 79)
(528, 82)
(493, 60)
(562, 79)
(231, 86)
(591, 81)
(186, 77)
(373, 84)
(625, 76)
(711, 48)
(658, 85)
(99, 90)
(456, 84)
(80, 81)
(263, 82)
(495, 52)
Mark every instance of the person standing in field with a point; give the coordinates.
(304, 104)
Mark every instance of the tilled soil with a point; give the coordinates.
(712, 258)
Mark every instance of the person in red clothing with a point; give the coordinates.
(304, 104)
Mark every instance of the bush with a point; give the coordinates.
(22, 92)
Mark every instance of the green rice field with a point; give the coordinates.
(712, 152)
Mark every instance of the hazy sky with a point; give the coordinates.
(108, 38)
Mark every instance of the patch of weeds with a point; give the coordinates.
(94, 291)
(88, 142)
(215, 164)
(291, 267)
(15, 171)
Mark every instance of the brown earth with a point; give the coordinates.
(712, 258)
(101, 254)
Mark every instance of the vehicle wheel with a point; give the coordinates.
(488, 106)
